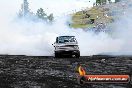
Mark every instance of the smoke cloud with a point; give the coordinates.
(25, 37)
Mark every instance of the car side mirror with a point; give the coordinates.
(53, 44)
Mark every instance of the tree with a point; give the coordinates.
(109, 1)
(100, 2)
(41, 14)
(117, 1)
(24, 9)
(50, 17)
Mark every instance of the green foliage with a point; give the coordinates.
(100, 2)
(20, 14)
(25, 7)
(109, 1)
(117, 0)
(82, 26)
(41, 14)
(24, 11)
(89, 17)
(50, 17)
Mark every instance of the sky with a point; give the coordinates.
(61, 6)
(58, 7)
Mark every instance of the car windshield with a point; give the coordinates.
(64, 39)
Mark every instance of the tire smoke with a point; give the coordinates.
(25, 37)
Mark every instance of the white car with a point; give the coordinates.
(66, 45)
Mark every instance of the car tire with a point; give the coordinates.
(57, 55)
(77, 55)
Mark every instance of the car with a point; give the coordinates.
(66, 45)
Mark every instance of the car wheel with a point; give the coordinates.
(77, 55)
(57, 55)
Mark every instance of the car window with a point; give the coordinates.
(65, 39)
(57, 40)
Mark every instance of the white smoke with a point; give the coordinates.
(36, 38)
(123, 28)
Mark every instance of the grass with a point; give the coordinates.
(80, 19)
(83, 26)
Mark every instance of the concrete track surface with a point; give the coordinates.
(49, 72)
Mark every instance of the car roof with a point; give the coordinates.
(66, 36)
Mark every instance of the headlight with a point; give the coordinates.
(57, 47)
(76, 47)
